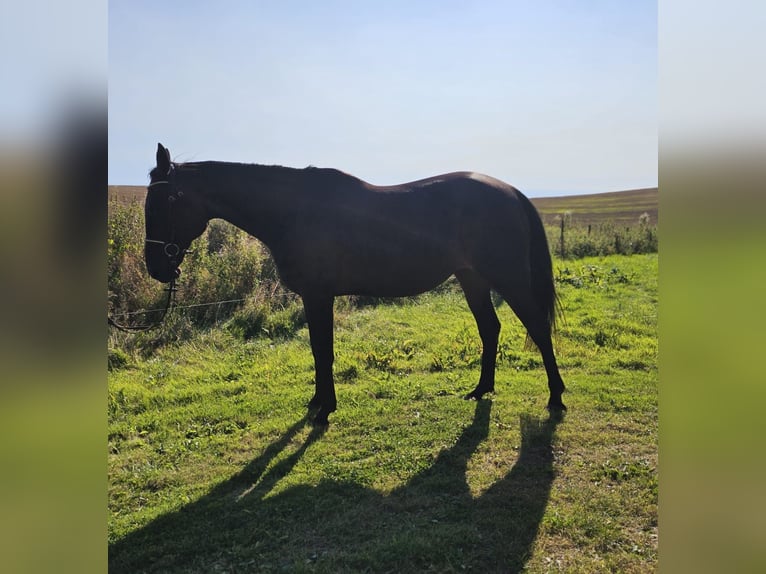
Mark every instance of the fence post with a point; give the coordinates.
(563, 253)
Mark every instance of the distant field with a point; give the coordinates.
(127, 193)
(619, 207)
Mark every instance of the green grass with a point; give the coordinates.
(213, 467)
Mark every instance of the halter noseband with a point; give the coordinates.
(170, 249)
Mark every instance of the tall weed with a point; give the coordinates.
(225, 271)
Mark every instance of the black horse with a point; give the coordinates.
(333, 234)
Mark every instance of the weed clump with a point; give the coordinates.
(117, 359)
(228, 279)
(256, 318)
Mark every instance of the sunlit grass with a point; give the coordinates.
(213, 467)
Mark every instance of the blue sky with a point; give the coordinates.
(552, 97)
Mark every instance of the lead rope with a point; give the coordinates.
(171, 289)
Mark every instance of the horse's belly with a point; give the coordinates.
(385, 267)
(383, 275)
(390, 284)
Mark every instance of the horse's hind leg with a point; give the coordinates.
(319, 315)
(477, 293)
(534, 320)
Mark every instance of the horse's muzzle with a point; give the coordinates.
(164, 275)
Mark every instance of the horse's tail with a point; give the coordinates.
(541, 266)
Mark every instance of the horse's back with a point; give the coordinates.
(405, 239)
(440, 214)
(445, 182)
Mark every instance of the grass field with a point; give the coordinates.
(213, 467)
(616, 208)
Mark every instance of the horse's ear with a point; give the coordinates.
(163, 158)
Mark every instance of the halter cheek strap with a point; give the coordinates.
(170, 248)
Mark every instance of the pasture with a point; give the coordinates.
(617, 208)
(213, 467)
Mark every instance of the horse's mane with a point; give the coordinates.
(263, 170)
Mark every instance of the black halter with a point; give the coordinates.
(170, 248)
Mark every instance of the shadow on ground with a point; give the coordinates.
(430, 523)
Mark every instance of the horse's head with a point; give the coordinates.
(174, 218)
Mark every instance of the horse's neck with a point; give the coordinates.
(255, 198)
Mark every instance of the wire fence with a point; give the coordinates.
(130, 313)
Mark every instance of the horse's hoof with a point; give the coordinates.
(320, 418)
(320, 421)
(556, 407)
(477, 394)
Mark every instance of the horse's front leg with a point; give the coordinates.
(319, 314)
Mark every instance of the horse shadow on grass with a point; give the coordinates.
(432, 523)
